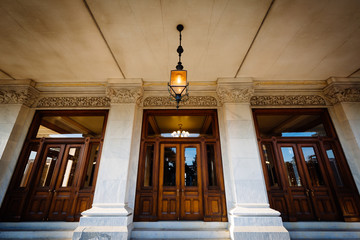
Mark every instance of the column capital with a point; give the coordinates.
(342, 90)
(18, 94)
(125, 95)
(235, 90)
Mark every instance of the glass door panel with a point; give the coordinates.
(71, 164)
(291, 166)
(169, 166)
(49, 165)
(313, 167)
(190, 166)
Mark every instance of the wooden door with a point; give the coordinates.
(41, 198)
(310, 195)
(180, 196)
(64, 189)
(297, 185)
(52, 194)
(319, 190)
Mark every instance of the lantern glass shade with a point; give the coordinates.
(178, 81)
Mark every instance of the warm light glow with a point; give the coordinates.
(178, 80)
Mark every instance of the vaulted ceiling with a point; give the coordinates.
(94, 40)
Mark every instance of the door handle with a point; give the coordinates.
(177, 192)
(307, 192)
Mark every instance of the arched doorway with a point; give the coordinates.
(180, 178)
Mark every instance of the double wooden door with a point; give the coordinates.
(309, 188)
(53, 190)
(180, 184)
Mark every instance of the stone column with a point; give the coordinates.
(15, 119)
(250, 215)
(110, 217)
(344, 94)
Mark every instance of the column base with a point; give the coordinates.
(256, 221)
(105, 221)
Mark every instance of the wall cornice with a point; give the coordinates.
(193, 101)
(85, 101)
(287, 100)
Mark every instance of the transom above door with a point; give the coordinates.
(180, 177)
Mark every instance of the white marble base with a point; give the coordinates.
(257, 222)
(105, 221)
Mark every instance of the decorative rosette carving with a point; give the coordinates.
(191, 101)
(235, 95)
(286, 100)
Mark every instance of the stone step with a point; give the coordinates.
(37, 230)
(323, 230)
(180, 230)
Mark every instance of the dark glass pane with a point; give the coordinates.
(313, 167)
(149, 159)
(29, 165)
(49, 165)
(90, 169)
(269, 161)
(70, 127)
(290, 125)
(169, 166)
(210, 151)
(190, 167)
(291, 167)
(334, 164)
(71, 163)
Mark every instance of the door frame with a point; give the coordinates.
(346, 197)
(146, 197)
(16, 200)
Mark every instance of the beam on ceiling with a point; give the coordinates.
(7, 74)
(252, 42)
(102, 35)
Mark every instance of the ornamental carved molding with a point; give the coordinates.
(337, 94)
(287, 100)
(73, 102)
(26, 96)
(197, 101)
(235, 95)
(125, 95)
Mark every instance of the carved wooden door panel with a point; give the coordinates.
(180, 196)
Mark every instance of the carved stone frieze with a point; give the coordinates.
(74, 102)
(235, 95)
(286, 100)
(337, 94)
(125, 95)
(191, 101)
(26, 96)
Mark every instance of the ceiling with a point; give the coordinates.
(94, 40)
